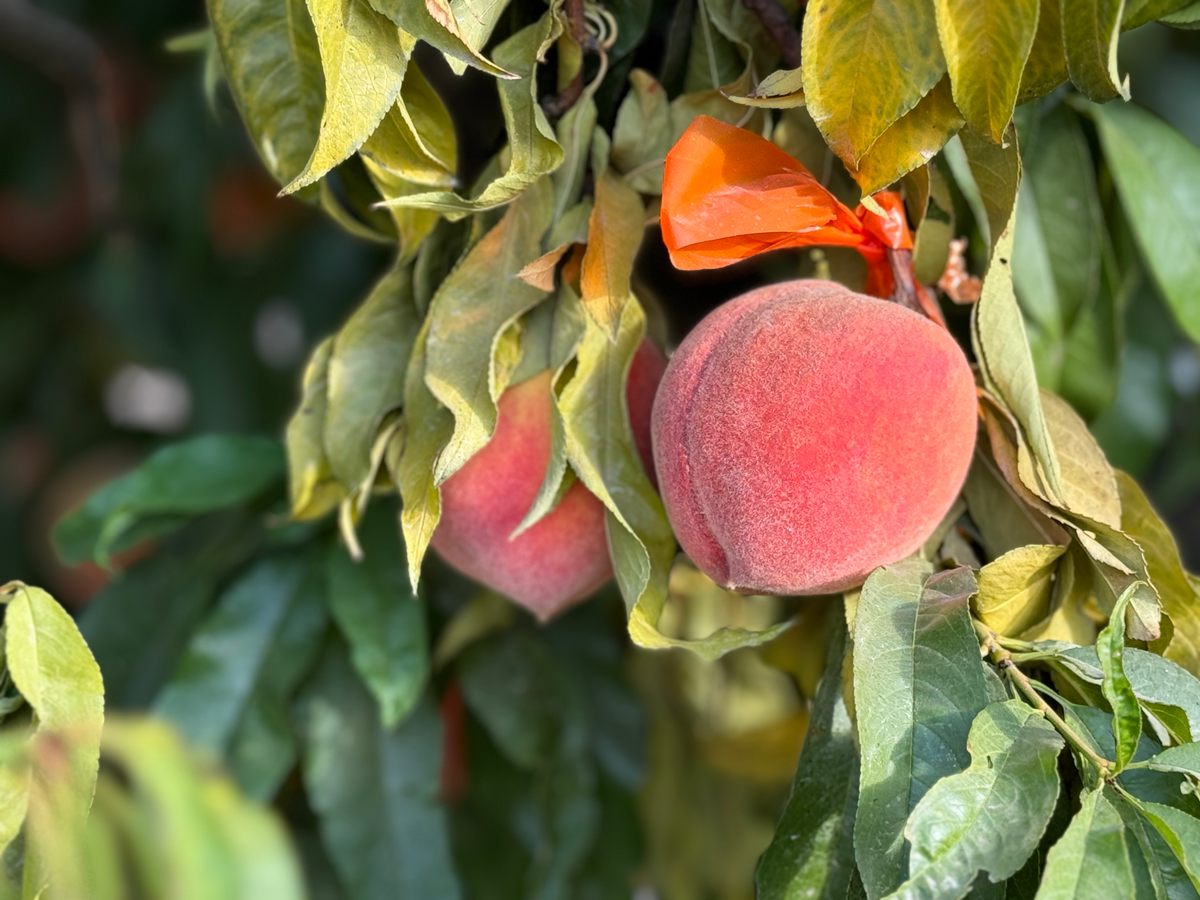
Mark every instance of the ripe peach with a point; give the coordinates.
(564, 557)
(805, 434)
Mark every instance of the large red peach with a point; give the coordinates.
(564, 557)
(805, 434)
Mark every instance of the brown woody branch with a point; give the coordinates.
(778, 25)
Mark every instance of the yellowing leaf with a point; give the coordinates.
(866, 63)
(311, 486)
(783, 89)
(416, 139)
(1046, 67)
(1015, 589)
(435, 23)
(614, 235)
(364, 58)
(911, 142)
(533, 149)
(1180, 595)
(1090, 32)
(986, 43)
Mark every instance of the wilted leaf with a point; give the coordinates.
(1179, 595)
(383, 843)
(312, 489)
(467, 317)
(918, 683)
(1090, 32)
(363, 57)
(1127, 714)
(187, 479)
(1012, 778)
(209, 690)
(866, 63)
(1092, 857)
(1015, 589)
(382, 621)
(614, 236)
(269, 54)
(55, 673)
(1157, 173)
(812, 852)
(533, 150)
(986, 43)
(998, 333)
(365, 376)
(912, 141)
(436, 23)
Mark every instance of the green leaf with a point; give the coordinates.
(365, 375)
(468, 315)
(226, 656)
(1090, 32)
(1059, 246)
(1139, 12)
(1015, 589)
(912, 141)
(436, 22)
(273, 69)
(1127, 714)
(642, 133)
(374, 790)
(866, 63)
(996, 170)
(1179, 594)
(1180, 831)
(1188, 17)
(812, 852)
(614, 236)
(188, 479)
(998, 334)
(1184, 759)
(1092, 858)
(1012, 779)
(1046, 67)
(986, 43)
(533, 150)
(1164, 688)
(363, 57)
(1157, 173)
(50, 665)
(383, 623)
(918, 683)
(312, 489)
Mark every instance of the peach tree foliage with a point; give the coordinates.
(1011, 711)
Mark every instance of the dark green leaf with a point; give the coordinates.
(1090, 32)
(1012, 779)
(191, 478)
(383, 623)
(812, 852)
(375, 791)
(918, 684)
(1181, 833)
(1127, 714)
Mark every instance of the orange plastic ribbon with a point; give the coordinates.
(729, 194)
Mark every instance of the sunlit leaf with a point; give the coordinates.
(1127, 714)
(437, 23)
(1180, 831)
(782, 89)
(918, 683)
(1012, 778)
(866, 63)
(1092, 857)
(363, 57)
(911, 141)
(1015, 589)
(986, 44)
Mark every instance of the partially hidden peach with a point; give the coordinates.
(805, 434)
(564, 557)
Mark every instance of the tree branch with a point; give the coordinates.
(778, 25)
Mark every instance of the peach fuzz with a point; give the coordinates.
(564, 557)
(805, 434)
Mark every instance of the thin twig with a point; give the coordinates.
(557, 105)
(908, 291)
(1004, 662)
(778, 25)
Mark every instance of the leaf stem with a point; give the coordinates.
(1004, 662)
